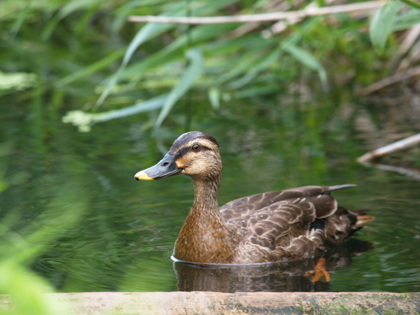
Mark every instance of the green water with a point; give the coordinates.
(108, 232)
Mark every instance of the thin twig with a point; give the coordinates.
(412, 3)
(390, 148)
(246, 28)
(409, 41)
(411, 58)
(401, 170)
(370, 5)
(401, 76)
(282, 25)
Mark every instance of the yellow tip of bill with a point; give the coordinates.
(142, 176)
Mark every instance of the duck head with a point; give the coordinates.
(195, 154)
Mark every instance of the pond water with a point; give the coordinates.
(104, 231)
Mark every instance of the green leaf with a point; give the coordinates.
(214, 97)
(382, 25)
(20, 19)
(152, 30)
(412, 3)
(406, 20)
(75, 5)
(308, 60)
(84, 121)
(147, 32)
(146, 106)
(255, 91)
(255, 69)
(193, 72)
(243, 63)
(91, 68)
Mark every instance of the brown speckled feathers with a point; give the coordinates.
(274, 220)
(289, 224)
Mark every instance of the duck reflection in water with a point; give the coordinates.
(286, 276)
(288, 225)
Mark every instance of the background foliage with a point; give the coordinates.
(80, 61)
(222, 61)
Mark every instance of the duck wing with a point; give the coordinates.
(273, 219)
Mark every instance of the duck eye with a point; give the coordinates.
(196, 148)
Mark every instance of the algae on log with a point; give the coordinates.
(161, 303)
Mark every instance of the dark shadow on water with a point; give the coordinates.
(277, 277)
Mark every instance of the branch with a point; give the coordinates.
(401, 170)
(412, 3)
(370, 5)
(398, 77)
(390, 148)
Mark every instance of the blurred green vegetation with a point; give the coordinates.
(75, 47)
(22, 240)
(67, 210)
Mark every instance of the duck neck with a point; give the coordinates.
(206, 198)
(204, 237)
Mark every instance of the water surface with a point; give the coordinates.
(108, 232)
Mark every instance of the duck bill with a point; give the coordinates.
(164, 168)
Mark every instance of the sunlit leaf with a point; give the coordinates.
(27, 290)
(146, 106)
(147, 32)
(84, 121)
(174, 51)
(406, 20)
(214, 97)
(193, 72)
(152, 30)
(308, 60)
(17, 80)
(75, 5)
(382, 25)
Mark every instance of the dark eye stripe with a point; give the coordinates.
(183, 151)
(203, 147)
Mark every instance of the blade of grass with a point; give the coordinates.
(193, 72)
(96, 66)
(249, 76)
(172, 52)
(382, 24)
(214, 97)
(20, 18)
(84, 121)
(406, 20)
(147, 32)
(308, 60)
(152, 30)
(146, 106)
(76, 5)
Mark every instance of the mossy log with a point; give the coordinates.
(162, 303)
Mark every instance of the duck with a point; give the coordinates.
(295, 223)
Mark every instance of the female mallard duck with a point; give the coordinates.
(289, 224)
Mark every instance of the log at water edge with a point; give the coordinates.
(162, 303)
